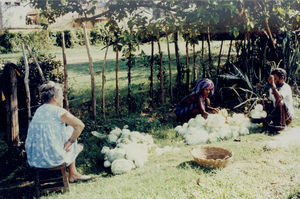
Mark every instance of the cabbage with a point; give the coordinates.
(131, 145)
(216, 127)
(121, 166)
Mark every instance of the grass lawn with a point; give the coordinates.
(255, 171)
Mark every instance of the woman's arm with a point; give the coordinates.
(202, 108)
(209, 108)
(76, 123)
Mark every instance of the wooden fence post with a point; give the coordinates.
(66, 101)
(12, 109)
(87, 44)
(103, 83)
(36, 63)
(26, 82)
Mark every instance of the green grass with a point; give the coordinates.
(253, 172)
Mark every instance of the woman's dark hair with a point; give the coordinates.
(279, 72)
(48, 90)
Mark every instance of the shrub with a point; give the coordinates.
(79, 37)
(9, 42)
(69, 39)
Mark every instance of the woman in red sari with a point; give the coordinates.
(197, 102)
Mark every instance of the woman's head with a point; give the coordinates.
(51, 92)
(204, 86)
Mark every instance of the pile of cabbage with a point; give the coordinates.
(130, 151)
(216, 127)
(258, 112)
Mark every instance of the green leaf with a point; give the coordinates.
(98, 135)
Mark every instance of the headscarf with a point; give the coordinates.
(204, 84)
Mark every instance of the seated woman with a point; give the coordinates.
(49, 141)
(281, 111)
(197, 102)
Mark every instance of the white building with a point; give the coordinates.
(16, 14)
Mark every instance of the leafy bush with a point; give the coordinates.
(49, 65)
(95, 36)
(79, 37)
(71, 38)
(9, 42)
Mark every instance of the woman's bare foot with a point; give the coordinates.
(79, 177)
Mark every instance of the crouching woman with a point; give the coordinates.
(53, 132)
(197, 102)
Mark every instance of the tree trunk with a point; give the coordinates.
(170, 69)
(161, 75)
(129, 65)
(209, 52)
(202, 51)
(151, 72)
(87, 44)
(228, 56)
(103, 82)
(179, 70)
(187, 67)
(269, 33)
(66, 101)
(12, 109)
(36, 63)
(26, 83)
(117, 79)
(194, 64)
(219, 60)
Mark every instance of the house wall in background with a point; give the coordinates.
(13, 14)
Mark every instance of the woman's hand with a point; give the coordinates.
(215, 110)
(204, 114)
(67, 145)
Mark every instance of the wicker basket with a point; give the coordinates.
(211, 157)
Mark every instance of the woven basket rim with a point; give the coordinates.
(209, 162)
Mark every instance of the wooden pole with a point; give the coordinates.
(63, 47)
(26, 82)
(161, 73)
(117, 79)
(103, 83)
(87, 44)
(151, 72)
(170, 69)
(202, 55)
(219, 60)
(36, 63)
(187, 67)
(12, 109)
(209, 51)
(194, 63)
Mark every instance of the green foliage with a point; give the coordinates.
(9, 42)
(38, 40)
(14, 163)
(69, 39)
(49, 65)
(50, 10)
(288, 50)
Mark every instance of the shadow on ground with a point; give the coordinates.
(194, 165)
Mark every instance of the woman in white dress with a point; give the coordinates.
(53, 132)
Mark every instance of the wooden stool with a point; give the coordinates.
(51, 179)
